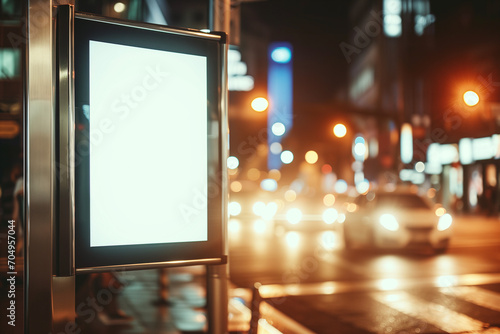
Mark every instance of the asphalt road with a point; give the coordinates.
(311, 283)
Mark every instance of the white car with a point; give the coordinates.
(311, 213)
(399, 219)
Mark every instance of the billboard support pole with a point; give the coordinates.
(217, 298)
(64, 300)
(39, 153)
(217, 275)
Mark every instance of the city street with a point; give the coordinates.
(310, 278)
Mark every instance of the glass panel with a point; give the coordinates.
(10, 62)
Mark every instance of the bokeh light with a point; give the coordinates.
(278, 129)
(119, 7)
(471, 98)
(275, 148)
(269, 185)
(294, 215)
(234, 225)
(281, 55)
(341, 186)
(326, 169)
(253, 174)
(259, 104)
(292, 239)
(232, 162)
(420, 167)
(236, 186)
(286, 157)
(311, 157)
(329, 199)
(330, 215)
(259, 208)
(290, 195)
(275, 174)
(440, 211)
(259, 226)
(339, 130)
(234, 208)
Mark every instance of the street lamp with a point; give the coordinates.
(259, 104)
(471, 98)
(339, 130)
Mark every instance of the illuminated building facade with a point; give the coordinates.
(412, 61)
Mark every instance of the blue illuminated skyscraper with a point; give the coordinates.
(280, 94)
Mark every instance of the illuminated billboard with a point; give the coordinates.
(149, 154)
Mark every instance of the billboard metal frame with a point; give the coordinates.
(50, 271)
(217, 45)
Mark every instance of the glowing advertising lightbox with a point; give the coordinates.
(157, 102)
(147, 144)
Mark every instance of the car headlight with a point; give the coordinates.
(294, 216)
(330, 215)
(445, 222)
(258, 208)
(269, 211)
(389, 222)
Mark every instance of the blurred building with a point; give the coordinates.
(467, 58)
(411, 61)
(386, 53)
(12, 41)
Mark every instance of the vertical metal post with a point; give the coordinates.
(217, 299)
(65, 134)
(255, 308)
(217, 275)
(63, 284)
(39, 106)
(65, 147)
(220, 15)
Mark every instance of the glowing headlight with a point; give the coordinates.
(294, 216)
(445, 222)
(234, 208)
(259, 226)
(330, 215)
(269, 211)
(389, 222)
(259, 208)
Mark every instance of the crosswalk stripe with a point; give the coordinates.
(475, 295)
(434, 314)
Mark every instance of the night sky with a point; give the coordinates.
(315, 29)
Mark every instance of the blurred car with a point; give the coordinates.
(251, 202)
(310, 213)
(399, 219)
